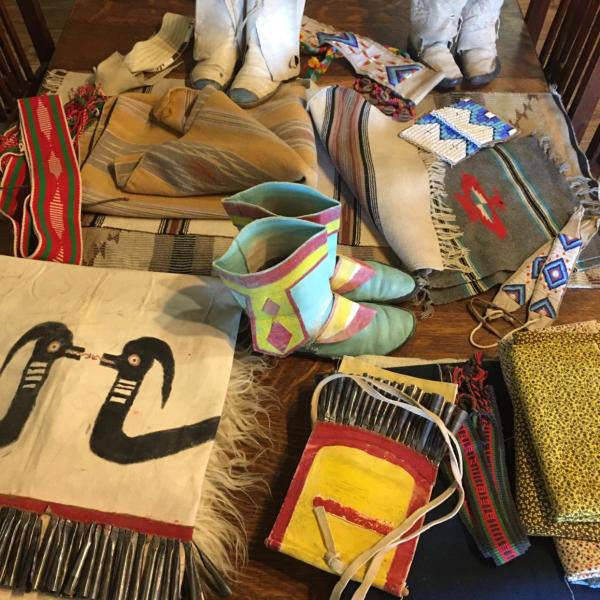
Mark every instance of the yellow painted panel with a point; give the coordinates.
(372, 486)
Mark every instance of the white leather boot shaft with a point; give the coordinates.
(216, 46)
(272, 53)
(434, 21)
(434, 27)
(479, 62)
(477, 40)
(254, 82)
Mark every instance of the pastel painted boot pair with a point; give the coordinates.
(470, 27)
(283, 270)
(261, 34)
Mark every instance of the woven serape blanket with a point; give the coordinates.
(106, 236)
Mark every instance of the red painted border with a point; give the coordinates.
(273, 274)
(85, 515)
(331, 434)
(364, 274)
(325, 216)
(352, 515)
(238, 208)
(247, 210)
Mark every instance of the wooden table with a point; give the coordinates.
(95, 29)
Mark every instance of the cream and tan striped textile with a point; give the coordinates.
(105, 235)
(149, 60)
(164, 48)
(180, 153)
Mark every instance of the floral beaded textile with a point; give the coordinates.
(389, 102)
(409, 79)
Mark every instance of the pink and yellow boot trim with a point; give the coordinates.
(356, 279)
(277, 269)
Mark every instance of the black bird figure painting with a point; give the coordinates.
(52, 341)
(109, 441)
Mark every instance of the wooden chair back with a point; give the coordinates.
(593, 153)
(20, 76)
(570, 56)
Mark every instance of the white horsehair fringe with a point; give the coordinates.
(241, 438)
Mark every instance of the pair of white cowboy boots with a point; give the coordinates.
(262, 35)
(470, 27)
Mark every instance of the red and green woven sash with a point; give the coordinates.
(40, 190)
(489, 512)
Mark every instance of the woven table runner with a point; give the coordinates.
(41, 189)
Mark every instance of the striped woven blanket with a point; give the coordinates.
(166, 243)
(180, 153)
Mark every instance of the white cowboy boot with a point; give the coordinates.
(216, 46)
(477, 41)
(434, 26)
(272, 49)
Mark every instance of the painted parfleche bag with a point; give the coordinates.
(368, 468)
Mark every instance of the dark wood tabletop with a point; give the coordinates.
(95, 29)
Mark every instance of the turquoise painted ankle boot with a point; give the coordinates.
(355, 279)
(279, 270)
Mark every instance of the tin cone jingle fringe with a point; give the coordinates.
(59, 556)
(41, 552)
(343, 401)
